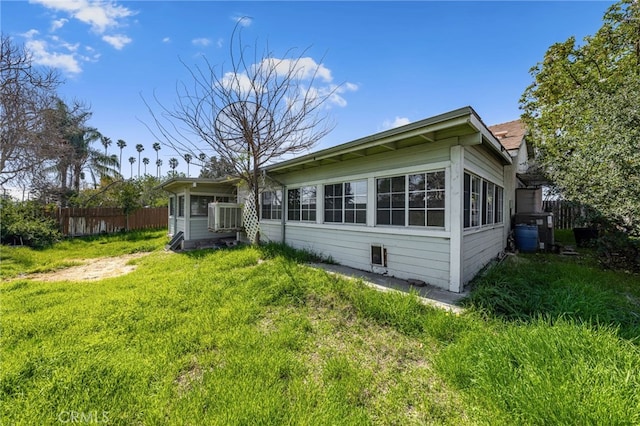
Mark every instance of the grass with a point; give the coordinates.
(19, 260)
(252, 336)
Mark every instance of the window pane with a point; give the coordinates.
(384, 201)
(417, 217)
(435, 200)
(361, 217)
(397, 217)
(416, 200)
(416, 182)
(435, 180)
(384, 185)
(435, 218)
(397, 184)
(349, 216)
(397, 201)
(383, 217)
(467, 200)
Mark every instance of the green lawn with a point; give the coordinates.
(252, 336)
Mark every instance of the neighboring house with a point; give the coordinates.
(431, 200)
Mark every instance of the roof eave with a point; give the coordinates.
(422, 127)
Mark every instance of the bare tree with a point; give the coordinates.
(261, 109)
(25, 94)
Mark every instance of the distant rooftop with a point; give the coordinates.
(510, 134)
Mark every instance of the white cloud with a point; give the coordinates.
(58, 23)
(166, 40)
(303, 68)
(203, 42)
(100, 15)
(397, 122)
(118, 41)
(42, 55)
(220, 42)
(243, 21)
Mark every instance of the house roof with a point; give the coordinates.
(180, 182)
(460, 122)
(510, 134)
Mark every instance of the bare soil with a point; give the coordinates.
(92, 269)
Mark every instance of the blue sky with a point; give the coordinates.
(397, 62)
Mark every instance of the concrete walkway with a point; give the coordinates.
(427, 294)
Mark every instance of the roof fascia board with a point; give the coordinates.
(493, 143)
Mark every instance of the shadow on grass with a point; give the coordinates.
(528, 287)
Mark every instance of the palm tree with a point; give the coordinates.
(105, 142)
(145, 161)
(187, 158)
(173, 163)
(86, 157)
(159, 166)
(156, 147)
(121, 144)
(139, 148)
(132, 160)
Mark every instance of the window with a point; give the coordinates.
(416, 199)
(172, 206)
(181, 206)
(200, 204)
(482, 202)
(426, 199)
(471, 200)
(271, 205)
(346, 202)
(499, 204)
(391, 199)
(301, 204)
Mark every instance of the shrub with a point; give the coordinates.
(25, 223)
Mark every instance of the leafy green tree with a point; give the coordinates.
(26, 223)
(216, 168)
(583, 114)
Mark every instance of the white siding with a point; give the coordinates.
(479, 247)
(172, 225)
(271, 231)
(376, 165)
(478, 161)
(180, 224)
(408, 256)
(199, 228)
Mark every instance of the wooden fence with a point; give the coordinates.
(94, 221)
(566, 215)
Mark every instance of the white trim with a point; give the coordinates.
(456, 195)
(418, 231)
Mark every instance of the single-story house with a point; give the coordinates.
(431, 200)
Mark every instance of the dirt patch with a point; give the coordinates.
(92, 269)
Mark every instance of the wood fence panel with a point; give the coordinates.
(566, 215)
(95, 220)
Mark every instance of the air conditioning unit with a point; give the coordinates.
(225, 217)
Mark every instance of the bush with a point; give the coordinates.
(617, 250)
(25, 223)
